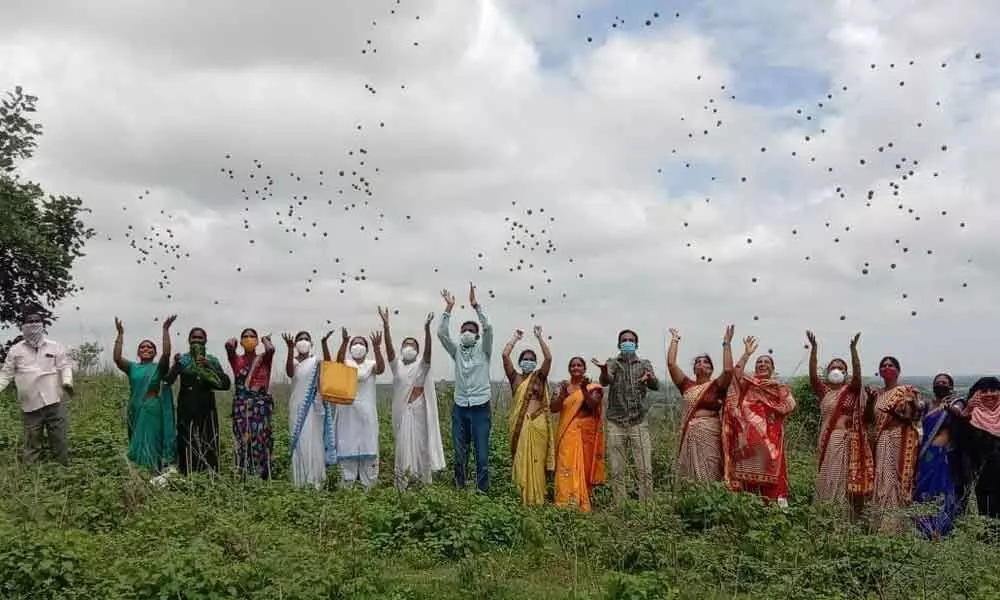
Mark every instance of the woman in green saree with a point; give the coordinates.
(201, 376)
(151, 432)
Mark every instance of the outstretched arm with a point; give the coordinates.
(427, 338)
(290, 359)
(749, 347)
(377, 348)
(814, 380)
(116, 355)
(390, 351)
(857, 380)
(546, 352)
(508, 366)
(326, 346)
(167, 348)
(344, 340)
(722, 383)
(444, 336)
(676, 373)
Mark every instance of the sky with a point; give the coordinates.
(746, 163)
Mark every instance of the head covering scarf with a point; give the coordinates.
(984, 411)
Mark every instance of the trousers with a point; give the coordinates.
(471, 424)
(47, 422)
(621, 439)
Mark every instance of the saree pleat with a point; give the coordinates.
(153, 439)
(699, 458)
(580, 460)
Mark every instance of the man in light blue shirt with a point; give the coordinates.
(470, 414)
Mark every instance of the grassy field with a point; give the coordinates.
(97, 530)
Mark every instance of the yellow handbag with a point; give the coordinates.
(338, 383)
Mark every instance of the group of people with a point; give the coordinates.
(881, 448)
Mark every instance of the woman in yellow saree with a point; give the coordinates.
(531, 439)
(580, 439)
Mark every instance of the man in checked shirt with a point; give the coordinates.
(628, 377)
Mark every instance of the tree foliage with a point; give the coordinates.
(41, 235)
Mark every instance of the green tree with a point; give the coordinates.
(85, 356)
(41, 236)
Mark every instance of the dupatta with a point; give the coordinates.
(752, 426)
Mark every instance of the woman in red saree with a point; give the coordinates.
(580, 439)
(699, 458)
(846, 466)
(753, 429)
(898, 411)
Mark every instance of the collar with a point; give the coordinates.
(628, 357)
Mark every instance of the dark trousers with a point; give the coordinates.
(46, 422)
(471, 424)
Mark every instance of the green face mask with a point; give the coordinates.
(197, 349)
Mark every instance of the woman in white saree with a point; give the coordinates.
(357, 423)
(419, 451)
(310, 419)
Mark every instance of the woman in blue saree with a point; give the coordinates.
(151, 431)
(939, 470)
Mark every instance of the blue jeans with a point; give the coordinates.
(471, 424)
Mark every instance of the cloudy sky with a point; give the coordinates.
(642, 151)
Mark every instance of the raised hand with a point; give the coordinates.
(383, 313)
(327, 336)
(812, 338)
(538, 331)
(119, 326)
(675, 336)
(430, 319)
(563, 388)
(518, 334)
(266, 340)
(730, 332)
(449, 300)
(600, 365)
(344, 335)
(231, 344)
(855, 340)
(289, 340)
(169, 321)
(472, 295)
(376, 339)
(749, 345)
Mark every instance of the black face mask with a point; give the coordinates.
(941, 391)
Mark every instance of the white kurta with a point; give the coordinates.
(419, 451)
(357, 429)
(308, 458)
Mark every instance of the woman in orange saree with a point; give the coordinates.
(898, 410)
(753, 429)
(580, 439)
(699, 458)
(846, 466)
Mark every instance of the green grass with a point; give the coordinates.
(98, 530)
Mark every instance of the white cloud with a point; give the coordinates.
(503, 106)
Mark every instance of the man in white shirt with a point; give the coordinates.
(40, 370)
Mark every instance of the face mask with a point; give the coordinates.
(303, 346)
(358, 351)
(941, 391)
(628, 347)
(249, 344)
(889, 373)
(197, 349)
(836, 376)
(409, 353)
(33, 333)
(468, 338)
(527, 366)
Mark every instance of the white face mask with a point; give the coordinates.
(33, 333)
(358, 351)
(303, 346)
(409, 353)
(836, 376)
(468, 338)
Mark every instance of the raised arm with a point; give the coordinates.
(326, 346)
(857, 380)
(290, 359)
(606, 376)
(443, 335)
(508, 365)
(427, 338)
(376, 338)
(484, 322)
(814, 380)
(723, 381)
(676, 373)
(116, 355)
(167, 346)
(345, 339)
(749, 347)
(390, 351)
(231, 353)
(546, 352)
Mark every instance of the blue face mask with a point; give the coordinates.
(527, 366)
(628, 347)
